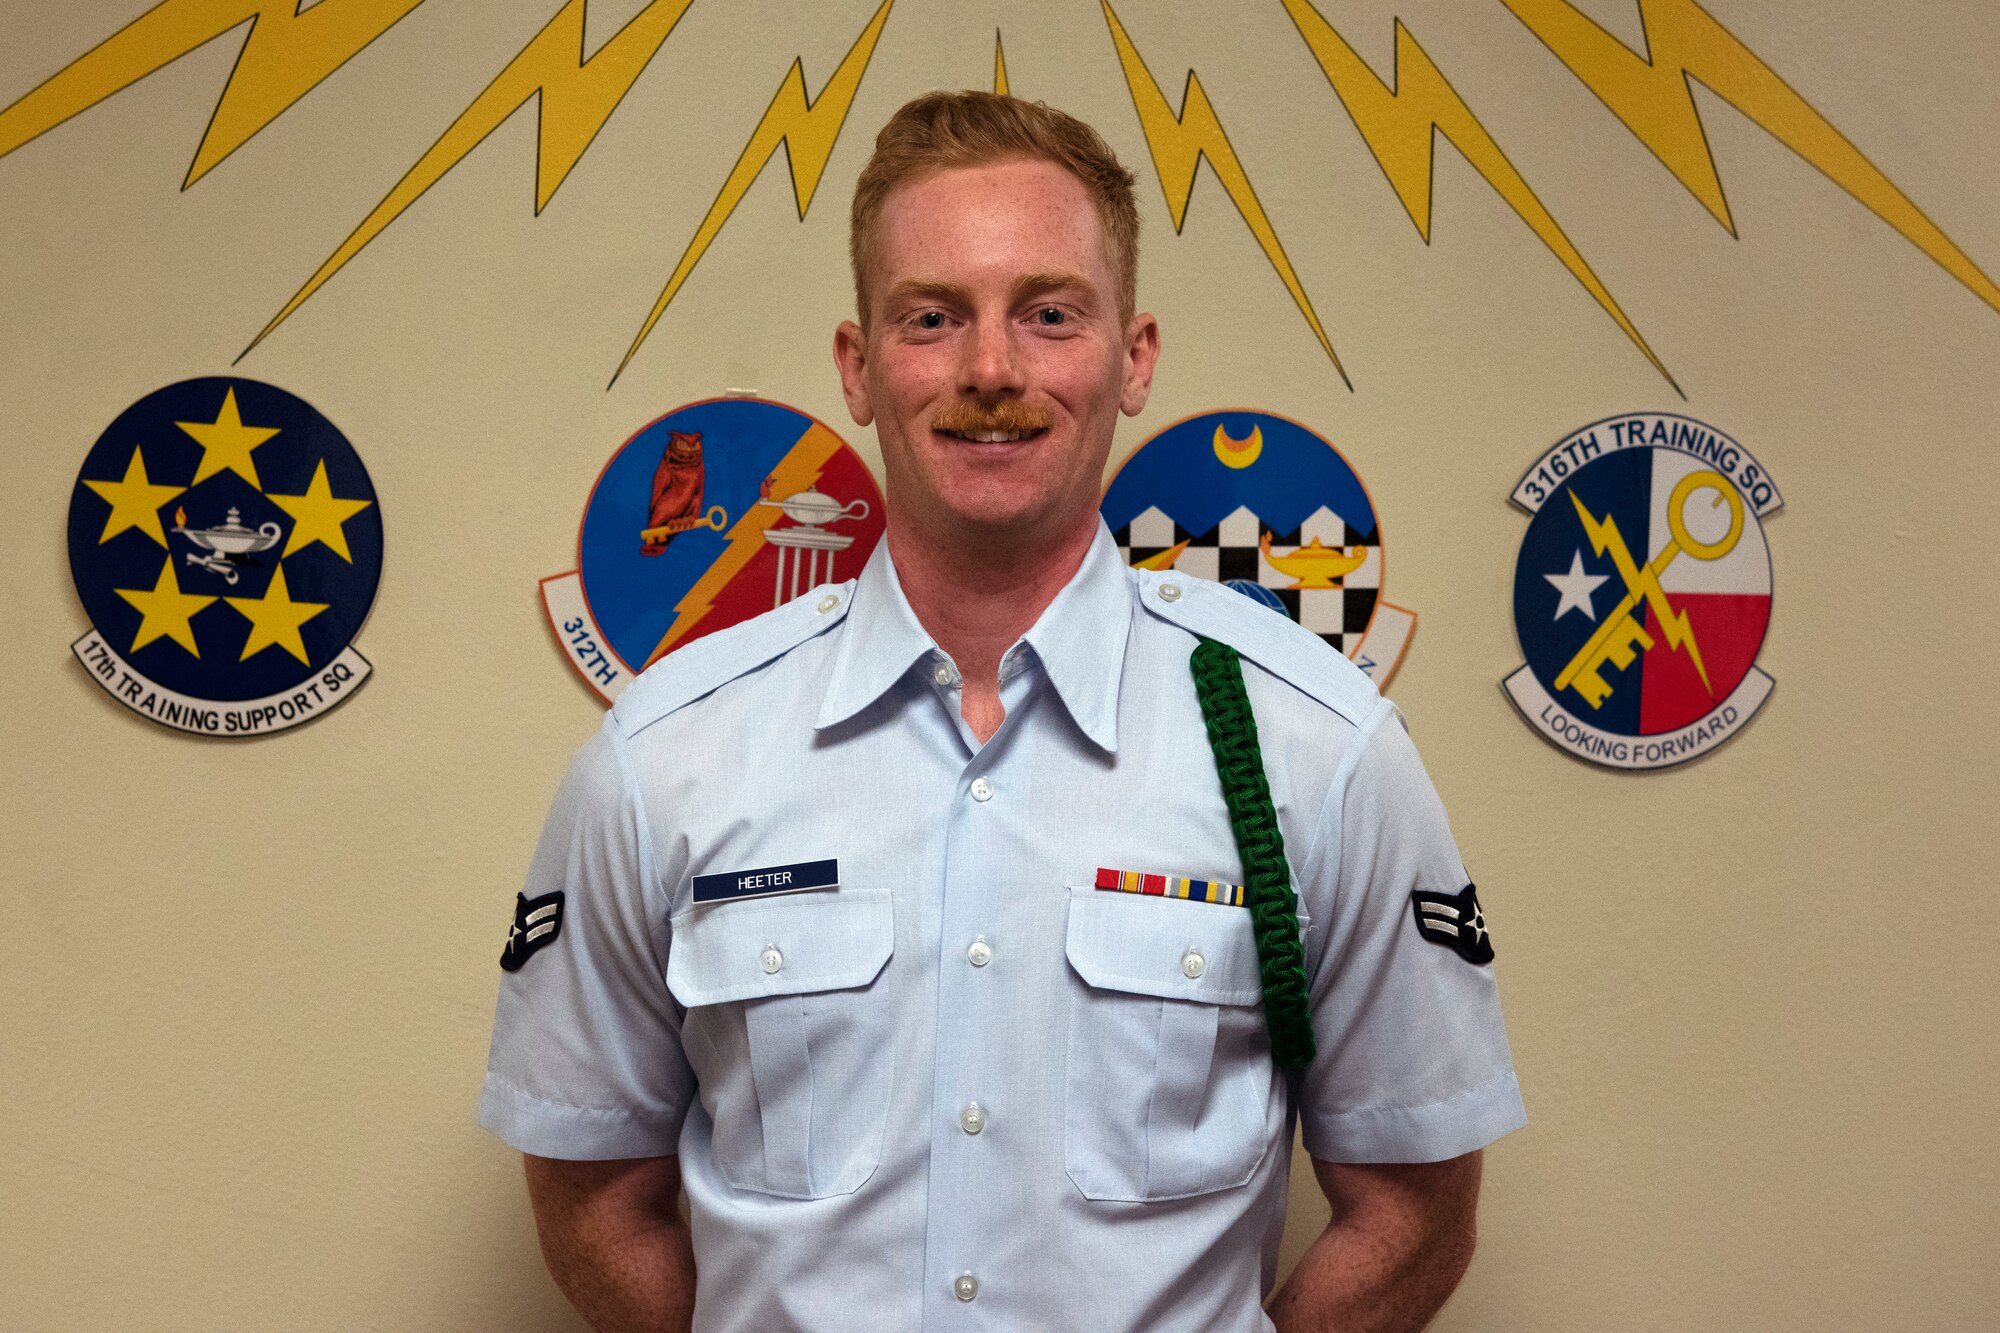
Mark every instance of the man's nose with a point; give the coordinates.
(992, 366)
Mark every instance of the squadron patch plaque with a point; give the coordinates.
(226, 543)
(715, 512)
(1642, 591)
(1272, 509)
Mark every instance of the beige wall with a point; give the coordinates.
(247, 985)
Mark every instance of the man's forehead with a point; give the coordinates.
(1035, 214)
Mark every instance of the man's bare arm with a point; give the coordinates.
(614, 1241)
(1400, 1239)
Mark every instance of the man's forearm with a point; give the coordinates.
(614, 1242)
(1392, 1256)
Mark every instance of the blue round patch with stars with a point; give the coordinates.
(226, 543)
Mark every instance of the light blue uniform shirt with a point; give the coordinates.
(815, 1058)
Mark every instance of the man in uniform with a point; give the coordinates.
(831, 924)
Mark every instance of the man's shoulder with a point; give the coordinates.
(1268, 639)
(699, 669)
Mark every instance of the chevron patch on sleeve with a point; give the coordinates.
(537, 923)
(1454, 921)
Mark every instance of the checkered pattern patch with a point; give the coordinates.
(1230, 552)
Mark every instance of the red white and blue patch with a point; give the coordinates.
(1170, 886)
(1642, 591)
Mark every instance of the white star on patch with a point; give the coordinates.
(1576, 588)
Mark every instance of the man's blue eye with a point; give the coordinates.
(1051, 316)
(930, 319)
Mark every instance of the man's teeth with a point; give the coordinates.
(993, 436)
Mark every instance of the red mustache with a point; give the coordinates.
(971, 417)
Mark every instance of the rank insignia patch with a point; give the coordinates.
(1454, 921)
(708, 516)
(537, 923)
(1642, 591)
(226, 543)
(1274, 511)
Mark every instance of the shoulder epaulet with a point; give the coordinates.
(1274, 642)
(712, 661)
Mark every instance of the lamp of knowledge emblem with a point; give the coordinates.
(226, 544)
(1273, 510)
(1642, 591)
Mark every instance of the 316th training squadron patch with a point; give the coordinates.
(1268, 507)
(717, 511)
(1642, 591)
(226, 545)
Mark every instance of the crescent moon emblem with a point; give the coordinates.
(1238, 453)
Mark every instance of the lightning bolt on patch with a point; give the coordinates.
(714, 513)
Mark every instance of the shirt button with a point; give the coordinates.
(980, 953)
(982, 790)
(828, 602)
(1193, 964)
(1170, 592)
(770, 960)
(972, 1119)
(942, 675)
(965, 1286)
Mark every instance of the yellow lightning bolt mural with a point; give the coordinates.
(1654, 98)
(1400, 123)
(808, 130)
(797, 471)
(285, 57)
(576, 97)
(1179, 142)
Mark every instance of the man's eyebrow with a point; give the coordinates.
(1049, 280)
(923, 289)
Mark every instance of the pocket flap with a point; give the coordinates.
(1148, 946)
(823, 941)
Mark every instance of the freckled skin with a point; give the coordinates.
(991, 284)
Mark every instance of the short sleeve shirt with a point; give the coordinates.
(966, 1079)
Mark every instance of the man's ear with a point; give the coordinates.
(850, 354)
(1142, 353)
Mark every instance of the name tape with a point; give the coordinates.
(766, 881)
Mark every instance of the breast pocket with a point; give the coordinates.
(1170, 1089)
(791, 1034)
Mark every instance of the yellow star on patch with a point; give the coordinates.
(165, 610)
(226, 443)
(317, 515)
(135, 502)
(275, 618)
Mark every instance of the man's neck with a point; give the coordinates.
(976, 599)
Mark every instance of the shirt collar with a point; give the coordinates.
(1079, 641)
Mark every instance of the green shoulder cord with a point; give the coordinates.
(1267, 884)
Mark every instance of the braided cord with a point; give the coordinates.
(1274, 914)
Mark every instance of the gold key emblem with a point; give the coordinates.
(1623, 635)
